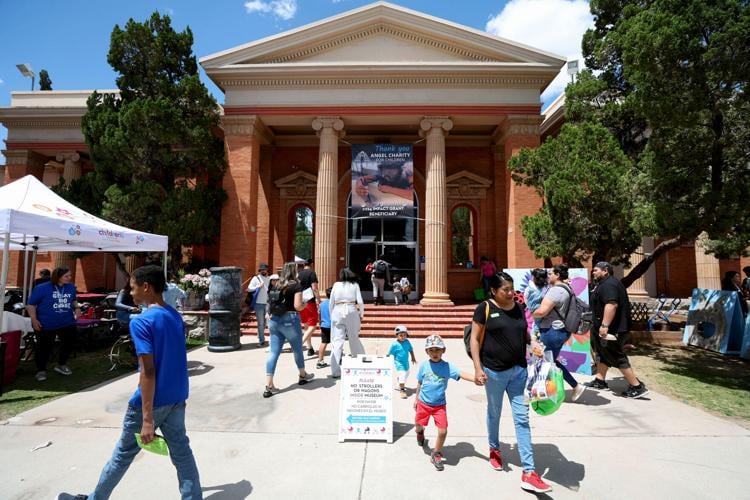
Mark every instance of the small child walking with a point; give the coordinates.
(400, 350)
(432, 380)
(325, 330)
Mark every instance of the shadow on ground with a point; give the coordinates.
(231, 491)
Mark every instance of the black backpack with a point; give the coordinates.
(576, 316)
(381, 267)
(276, 302)
(467, 331)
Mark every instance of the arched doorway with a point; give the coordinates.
(395, 238)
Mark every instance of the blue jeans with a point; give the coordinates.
(170, 420)
(509, 381)
(553, 341)
(260, 317)
(286, 327)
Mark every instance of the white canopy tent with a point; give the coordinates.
(33, 217)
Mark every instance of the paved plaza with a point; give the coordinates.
(604, 447)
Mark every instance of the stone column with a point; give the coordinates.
(20, 163)
(638, 287)
(243, 136)
(71, 165)
(708, 274)
(71, 161)
(434, 130)
(515, 133)
(329, 129)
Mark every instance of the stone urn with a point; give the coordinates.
(224, 301)
(194, 300)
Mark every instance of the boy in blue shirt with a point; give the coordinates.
(432, 380)
(400, 350)
(325, 330)
(159, 401)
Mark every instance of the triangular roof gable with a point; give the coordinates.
(384, 20)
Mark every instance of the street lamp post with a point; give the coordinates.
(573, 69)
(26, 70)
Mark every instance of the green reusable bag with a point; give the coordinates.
(551, 405)
(158, 445)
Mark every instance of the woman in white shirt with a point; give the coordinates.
(347, 312)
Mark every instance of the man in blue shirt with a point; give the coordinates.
(159, 400)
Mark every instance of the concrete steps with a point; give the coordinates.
(420, 320)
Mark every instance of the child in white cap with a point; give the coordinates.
(400, 350)
(432, 380)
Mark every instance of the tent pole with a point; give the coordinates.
(4, 275)
(25, 268)
(33, 269)
(164, 261)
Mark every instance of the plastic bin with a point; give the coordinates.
(12, 354)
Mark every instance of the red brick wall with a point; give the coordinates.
(675, 272)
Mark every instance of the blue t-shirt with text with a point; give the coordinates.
(434, 379)
(400, 352)
(54, 305)
(325, 315)
(159, 331)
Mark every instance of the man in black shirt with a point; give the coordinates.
(609, 333)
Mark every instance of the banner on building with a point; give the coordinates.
(382, 180)
(576, 353)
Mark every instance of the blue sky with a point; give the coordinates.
(70, 38)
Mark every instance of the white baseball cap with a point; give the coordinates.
(401, 329)
(273, 277)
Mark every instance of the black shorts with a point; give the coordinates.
(612, 353)
(325, 335)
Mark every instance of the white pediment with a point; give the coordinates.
(298, 185)
(380, 32)
(465, 185)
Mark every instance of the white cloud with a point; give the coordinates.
(2, 81)
(285, 9)
(555, 26)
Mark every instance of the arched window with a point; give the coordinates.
(463, 236)
(301, 231)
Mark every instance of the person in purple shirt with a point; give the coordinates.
(159, 400)
(53, 311)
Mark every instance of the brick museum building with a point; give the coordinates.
(295, 106)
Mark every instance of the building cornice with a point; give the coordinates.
(244, 125)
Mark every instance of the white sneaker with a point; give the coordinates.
(40, 376)
(63, 370)
(577, 391)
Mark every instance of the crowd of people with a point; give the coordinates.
(499, 343)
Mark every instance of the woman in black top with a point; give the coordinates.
(499, 336)
(286, 327)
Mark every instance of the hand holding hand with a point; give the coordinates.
(480, 377)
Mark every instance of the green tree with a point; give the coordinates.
(44, 82)
(303, 239)
(158, 164)
(669, 80)
(460, 235)
(588, 196)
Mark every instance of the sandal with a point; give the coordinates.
(270, 391)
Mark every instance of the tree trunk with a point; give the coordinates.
(641, 268)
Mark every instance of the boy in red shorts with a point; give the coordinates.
(432, 380)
